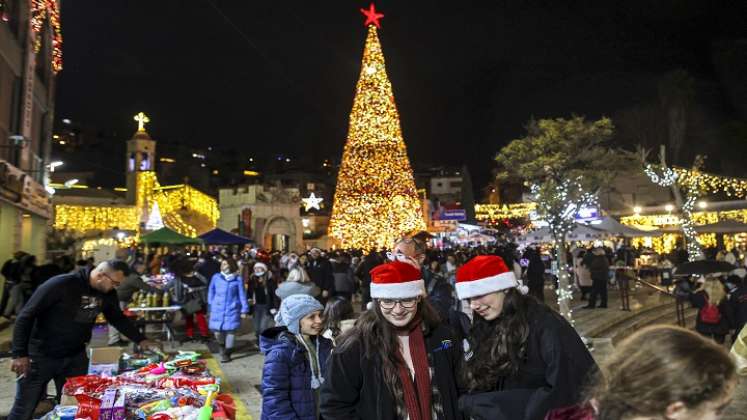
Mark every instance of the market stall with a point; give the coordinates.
(166, 236)
(221, 237)
(149, 386)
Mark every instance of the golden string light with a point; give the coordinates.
(172, 202)
(668, 241)
(86, 218)
(495, 213)
(711, 184)
(40, 10)
(375, 201)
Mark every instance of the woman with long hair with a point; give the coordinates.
(713, 310)
(398, 361)
(523, 359)
(660, 372)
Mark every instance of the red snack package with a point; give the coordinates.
(88, 407)
(86, 384)
(225, 403)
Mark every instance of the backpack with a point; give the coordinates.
(710, 314)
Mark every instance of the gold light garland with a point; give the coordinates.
(171, 200)
(375, 201)
(86, 218)
(40, 9)
(668, 241)
(711, 184)
(496, 213)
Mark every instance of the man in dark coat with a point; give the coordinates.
(11, 271)
(320, 272)
(599, 266)
(54, 327)
(363, 273)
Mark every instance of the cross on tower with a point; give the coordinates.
(141, 119)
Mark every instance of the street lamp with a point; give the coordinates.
(637, 209)
(703, 204)
(70, 182)
(669, 208)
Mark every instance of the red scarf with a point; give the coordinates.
(417, 399)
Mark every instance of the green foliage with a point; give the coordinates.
(564, 160)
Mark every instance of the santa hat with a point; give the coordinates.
(485, 274)
(396, 280)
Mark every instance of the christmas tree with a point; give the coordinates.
(375, 200)
(155, 221)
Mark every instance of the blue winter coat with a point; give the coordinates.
(286, 376)
(227, 300)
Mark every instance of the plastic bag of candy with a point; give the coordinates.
(62, 412)
(87, 384)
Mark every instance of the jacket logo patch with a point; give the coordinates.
(445, 345)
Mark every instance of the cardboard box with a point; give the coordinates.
(104, 361)
(107, 404)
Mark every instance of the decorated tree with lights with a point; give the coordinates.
(375, 200)
(688, 185)
(565, 162)
(665, 176)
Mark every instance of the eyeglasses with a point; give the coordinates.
(115, 282)
(397, 256)
(389, 304)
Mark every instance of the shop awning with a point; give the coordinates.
(221, 237)
(167, 236)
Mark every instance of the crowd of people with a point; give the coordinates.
(407, 333)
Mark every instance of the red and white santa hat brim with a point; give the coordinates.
(396, 280)
(485, 274)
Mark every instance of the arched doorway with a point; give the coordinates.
(279, 234)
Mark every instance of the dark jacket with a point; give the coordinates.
(355, 389)
(343, 277)
(555, 371)
(132, 284)
(320, 272)
(57, 321)
(599, 266)
(286, 375)
(698, 300)
(263, 290)
(439, 292)
(191, 288)
(738, 307)
(363, 272)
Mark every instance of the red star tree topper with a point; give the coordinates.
(372, 18)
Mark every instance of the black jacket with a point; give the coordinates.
(320, 272)
(354, 388)
(738, 307)
(263, 293)
(439, 292)
(57, 320)
(556, 369)
(131, 284)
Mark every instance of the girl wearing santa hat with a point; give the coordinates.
(398, 361)
(522, 358)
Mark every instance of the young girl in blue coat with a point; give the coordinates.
(295, 359)
(228, 305)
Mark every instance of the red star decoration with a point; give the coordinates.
(371, 16)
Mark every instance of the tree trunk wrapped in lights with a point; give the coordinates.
(375, 200)
(566, 162)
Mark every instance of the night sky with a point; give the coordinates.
(268, 77)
